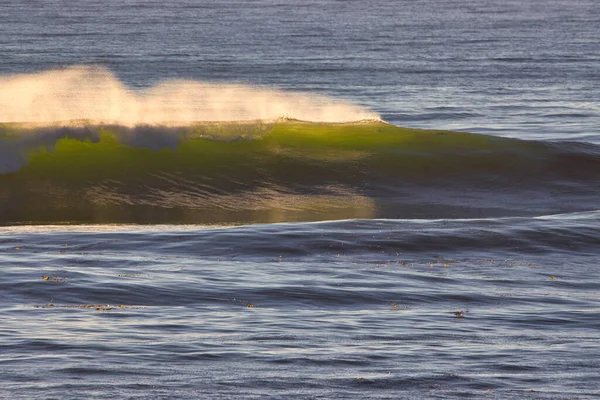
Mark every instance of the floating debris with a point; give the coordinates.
(394, 306)
(55, 278)
(459, 314)
(240, 302)
(131, 275)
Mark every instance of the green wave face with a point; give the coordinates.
(105, 152)
(257, 172)
(108, 151)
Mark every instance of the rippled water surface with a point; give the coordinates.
(481, 282)
(511, 68)
(478, 308)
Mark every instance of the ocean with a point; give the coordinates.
(312, 199)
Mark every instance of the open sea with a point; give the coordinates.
(311, 200)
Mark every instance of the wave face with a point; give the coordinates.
(284, 171)
(93, 93)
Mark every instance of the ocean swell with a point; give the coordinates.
(284, 171)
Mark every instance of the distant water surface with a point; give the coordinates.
(511, 68)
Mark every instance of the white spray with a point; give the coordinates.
(96, 95)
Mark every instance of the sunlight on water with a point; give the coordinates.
(95, 94)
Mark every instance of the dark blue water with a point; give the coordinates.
(361, 308)
(524, 69)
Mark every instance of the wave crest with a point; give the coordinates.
(94, 93)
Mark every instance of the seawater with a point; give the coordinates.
(277, 258)
(365, 309)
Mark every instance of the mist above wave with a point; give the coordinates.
(95, 94)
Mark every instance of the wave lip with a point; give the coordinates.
(95, 94)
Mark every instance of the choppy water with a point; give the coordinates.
(452, 265)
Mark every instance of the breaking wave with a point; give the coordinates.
(94, 94)
(234, 172)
